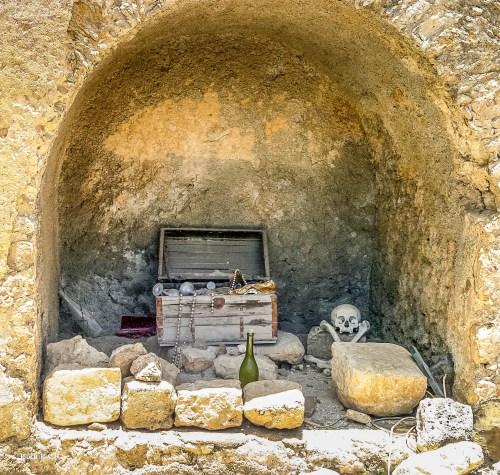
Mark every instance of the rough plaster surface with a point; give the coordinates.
(424, 76)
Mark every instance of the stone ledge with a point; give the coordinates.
(61, 451)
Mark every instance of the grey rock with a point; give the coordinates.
(195, 360)
(124, 356)
(319, 343)
(288, 348)
(73, 351)
(228, 367)
(442, 421)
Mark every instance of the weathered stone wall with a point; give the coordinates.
(51, 48)
(228, 131)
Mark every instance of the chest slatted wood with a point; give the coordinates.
(200, 255)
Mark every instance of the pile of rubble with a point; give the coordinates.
(84, 386)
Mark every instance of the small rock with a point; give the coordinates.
(283, 372)
(287, 348)
(81, 396)
(319, 343)
(377, 378)
(228, 367)
(196, 360)
(452, 459)
(97, 427)
(357, 416)
(309, 405)
(169, 372)
(274, 404)
(441, 421)
(285, 365)
(299, 367)
(221, 350)
(232, 351)
(327, 372)
(147, 405)
(211, 405)
(124, 356)
(153, 346)
(74, 351)
(147, 368)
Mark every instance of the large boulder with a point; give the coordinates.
(211, 405)
(73, 395)
(288, 348)
(73, 351)
(147, 368)
(275, 404)
(124, 356)
(228, 367)
(147, 405)
(441, 421)
(377, 378)
(452, 459)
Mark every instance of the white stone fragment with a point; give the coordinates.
(452, 459)
(147, 368)
(441, 421)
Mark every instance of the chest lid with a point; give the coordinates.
(200, 254)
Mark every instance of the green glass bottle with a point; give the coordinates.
(249, 371)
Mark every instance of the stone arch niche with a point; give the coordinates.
(322, 123)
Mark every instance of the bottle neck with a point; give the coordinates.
(249, 351)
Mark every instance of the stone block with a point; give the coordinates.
(453, 459)
(274, 404)
(147, 405)
(211, 405)
(15, 417)
(82, 396)
(442, 421)
(124, 356)
(74, 351)
(288, 348)
(147, 368)
(228, 367)
(377, 378)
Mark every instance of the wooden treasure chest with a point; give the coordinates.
(218, 315)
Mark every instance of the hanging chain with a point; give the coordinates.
(178, 351)
(237, 275)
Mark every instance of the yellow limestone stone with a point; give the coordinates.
(211, 405)
(274, 404)
(73, 395)
(148, 405)
(377, 378)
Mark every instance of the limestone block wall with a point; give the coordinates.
(51, 48)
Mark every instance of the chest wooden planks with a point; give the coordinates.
(228, 323)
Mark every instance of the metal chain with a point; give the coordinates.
(241, 277)
(178, 352)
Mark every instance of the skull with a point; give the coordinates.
(345, 318)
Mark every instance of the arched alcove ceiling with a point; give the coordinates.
(404, 116)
